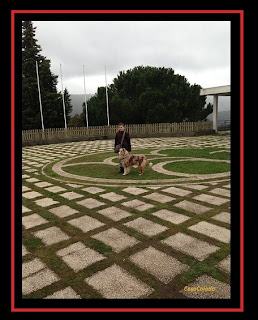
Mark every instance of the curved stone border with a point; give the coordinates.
(156, 153)
(110, 161)
(119, 183)
(57, 168)
(81, 163)
(159, 168)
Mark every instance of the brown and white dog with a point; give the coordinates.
(128, 160)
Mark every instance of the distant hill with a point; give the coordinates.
(77, 101)
(222, 115)
(223, 108)
(223, 102)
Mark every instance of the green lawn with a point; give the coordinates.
(105, 171)
(198, 167)
(198, 153)
(86, 166)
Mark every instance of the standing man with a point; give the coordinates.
(126, 142)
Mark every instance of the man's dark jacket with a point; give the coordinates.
(126, 143)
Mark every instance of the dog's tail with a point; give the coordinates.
(149, 164)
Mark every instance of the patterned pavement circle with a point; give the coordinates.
(58, 169)
(117, 237)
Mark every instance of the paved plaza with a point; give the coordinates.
(114, 237)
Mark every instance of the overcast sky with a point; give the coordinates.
(198, 50)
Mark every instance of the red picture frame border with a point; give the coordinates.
(241, 17)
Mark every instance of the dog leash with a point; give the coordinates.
(122, 138)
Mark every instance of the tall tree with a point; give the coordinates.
(51, 99)
(30, 101)
(97, 108)
(151, 95)
(68, 110)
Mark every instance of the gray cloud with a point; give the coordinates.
(194, 49)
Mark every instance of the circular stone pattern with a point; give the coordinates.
(166, 169)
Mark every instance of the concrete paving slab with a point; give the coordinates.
(210, 199)
(78, 257)
(90, 203)
(138, 205)
(135, 190)
(116, 283)
(161, 198)
(93, 190)
(55, 189)
(63, 211)
(177, 191)
(74, 185)
(86, 223)
(33, 266)
(222, 216)
(164, 267)
(112, 196)
(206, 287)
(71, 249)
(25, 168)
(145, 206)
(212, 230)
(116, 239)
(33, 220)
(51, 235)
(25, 209)
(38, 281)
(24, 251)
(224, 265)
(43, 184)
(24, 188)
(31, 195)
(145, 226)
(196, 248)
(221, 191)
(46, 202)
(192, 207)
(71, 195)
(32, 180)
(25, 176)
(66, 293)
(171, 216)
(133, 203)
(114, 213)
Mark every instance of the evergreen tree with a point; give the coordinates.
(97, 108)
(51, 99)
(150, 95)
(30, 99)
(68, 110)
(77, 120)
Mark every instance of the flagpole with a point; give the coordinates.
(85, 99)
(40, 103)
(63, 96)
(107, 97)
